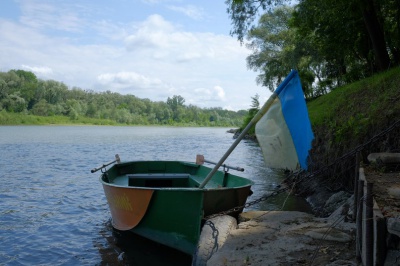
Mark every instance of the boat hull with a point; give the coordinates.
(162, 202)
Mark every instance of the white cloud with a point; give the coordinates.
(191, 11)
(162, 40)
(203, 95)
(153, 58)
(38, 70)
(110, 31)
(220, 92)
(128, 79)
(43, 15)
(154, 32)
(153, 1)
(134, 83)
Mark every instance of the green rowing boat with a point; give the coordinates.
(164, 200)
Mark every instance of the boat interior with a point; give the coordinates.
(168, 175)
(160, 180)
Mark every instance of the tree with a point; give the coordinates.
(244, 12)
(390, 15)
(49, 98)
(273, 43)
(3, 88)
(176, 103)
(27, 86)
(345, 47)
(277, 48)
(8, 83)
(13, 103)
(333, 14)
(375, 31)
(255, 107)
(41, 108)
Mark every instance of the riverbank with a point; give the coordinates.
(289, 238)
(298, 238)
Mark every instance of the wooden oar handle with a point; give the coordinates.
(200, 160)
(117, 160)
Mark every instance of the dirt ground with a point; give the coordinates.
(386, 190)
(297, 238)
(289, 238)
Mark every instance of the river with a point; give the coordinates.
(53, 210)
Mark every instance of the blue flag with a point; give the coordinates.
(284, 132)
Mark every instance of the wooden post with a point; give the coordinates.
(359, 230)
(369, 226)
(356, 177)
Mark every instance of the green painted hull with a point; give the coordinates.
(160, 200)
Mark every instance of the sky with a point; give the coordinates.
(152, 49)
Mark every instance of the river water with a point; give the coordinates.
(53, 210)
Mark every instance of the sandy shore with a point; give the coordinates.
(288, 238)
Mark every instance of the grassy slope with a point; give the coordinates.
(344, 119)
(350, 114)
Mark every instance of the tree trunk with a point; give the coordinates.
(375, 32)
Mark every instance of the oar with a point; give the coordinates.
(200, 160)
(253, 121)
(117, 160)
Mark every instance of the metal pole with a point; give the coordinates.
(253, 121)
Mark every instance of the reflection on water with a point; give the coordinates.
(266, 181)
(53, 210)
(126, 248)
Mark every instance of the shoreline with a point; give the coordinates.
(289, 238)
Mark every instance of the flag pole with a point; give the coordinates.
(253, 121)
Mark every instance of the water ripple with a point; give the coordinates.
(53, 210)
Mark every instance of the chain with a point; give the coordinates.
(247, 204)
(301, 176)
(215, 234)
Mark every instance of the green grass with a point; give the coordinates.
(7, 118)
(350, 112)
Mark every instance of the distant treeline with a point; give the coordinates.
(22, 92)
